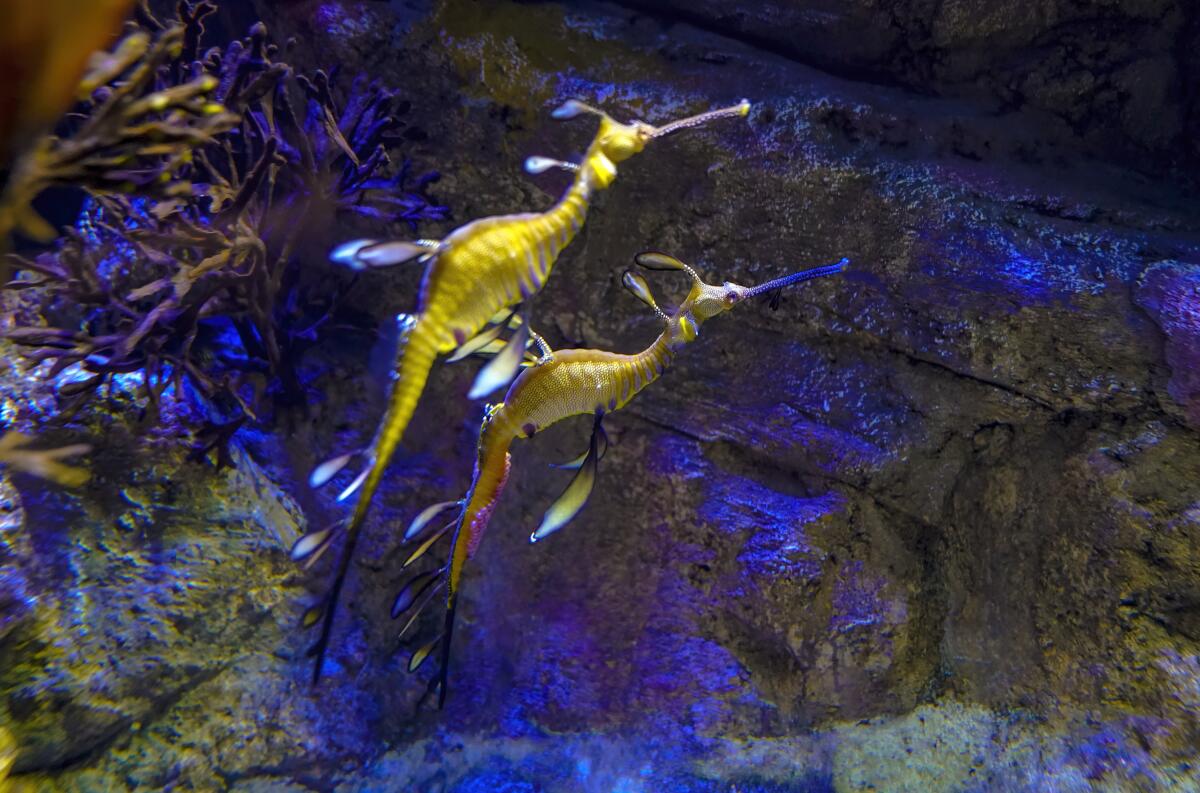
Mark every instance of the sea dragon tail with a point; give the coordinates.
(491, 475)
(419, 351)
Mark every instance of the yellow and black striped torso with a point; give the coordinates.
(495, 263)
(578, 382)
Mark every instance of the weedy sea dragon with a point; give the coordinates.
(565, 383)
(473, 278)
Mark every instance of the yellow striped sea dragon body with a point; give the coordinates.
(473, 277)
(569, 383)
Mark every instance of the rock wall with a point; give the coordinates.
(931, 525)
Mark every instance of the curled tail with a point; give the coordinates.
(417, 355)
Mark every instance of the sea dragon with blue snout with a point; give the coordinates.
(474, 277)
(566, 383)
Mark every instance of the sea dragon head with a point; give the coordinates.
(705, 301)
(616, 142)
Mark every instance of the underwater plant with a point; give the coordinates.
(134, 133)
(202, 176)
(562, 384)
(44, 49)
(475, 276)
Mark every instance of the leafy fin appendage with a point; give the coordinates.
(413, 590)
(430, 541)
(510, 320)
(309, 547)
(416, 361)
(423, 652)
(327, 470)
(427, 515)
(504, 367)
(577, 463)
(371, 254)
(476, 343)
(637, 286)
(537, 165)
(576, 495)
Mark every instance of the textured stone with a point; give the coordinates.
(1116, 72)
(1170, 292)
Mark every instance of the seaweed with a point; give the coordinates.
(204, 172)
(134, 133)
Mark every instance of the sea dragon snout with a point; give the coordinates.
(629, 138)
(474, 277)
(569, 383)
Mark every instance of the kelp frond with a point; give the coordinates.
(204, 169)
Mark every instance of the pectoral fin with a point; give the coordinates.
(504, 367)
(576, 495)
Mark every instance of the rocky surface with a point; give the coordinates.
(933, 525)
(1119, 75)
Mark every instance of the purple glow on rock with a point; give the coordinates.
(859, 601)
(1171, 294)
